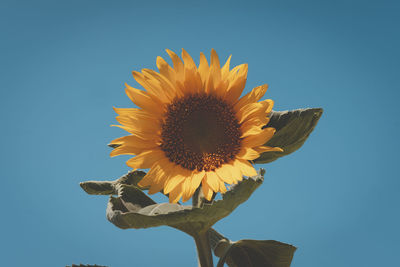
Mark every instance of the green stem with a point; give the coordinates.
(198, 198)
(202, 238)
(203, 249)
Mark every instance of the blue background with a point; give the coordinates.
(63, 66)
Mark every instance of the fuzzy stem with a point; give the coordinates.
(203, 249)
(198, 198)
(202, 238)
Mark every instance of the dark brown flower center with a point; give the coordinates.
(200, 132)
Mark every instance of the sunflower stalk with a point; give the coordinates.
(198, 198)
(201, 238)
(203, 249)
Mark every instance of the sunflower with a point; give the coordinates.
(192, 128)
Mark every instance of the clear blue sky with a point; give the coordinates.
(64, 65)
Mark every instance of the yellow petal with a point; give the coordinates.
(207, 191)
(237, 84)
(144, 100)
(236, 172)
(151, 85)
(192, 83)
(167, 170)
(215, 68)
(251, 97)
(225, 69)
(212, 180)
(140, 129)
(249, 110)
(146, 135)
(209, 86)
(128, 111)
(180, 174)
(196, 179)
(132, 140)
(248, 153)
(222, 187)
(157, 185)
(245, 167)
(259, 139)
(254, 110)
(262, 149)
(136, 114)
(172, 183)
(166, 70)
(140, 115)
(149, 178)
(160, 175)
(188, 60)
(164, 84)
(224, 173)
(270, 104)
(248, 129)
(180, 87)
(186, 190)
(139, 124)
(127, 150)
(222, 88)
(176, 193)
(203, 69)
(178, 65)
(146, 159)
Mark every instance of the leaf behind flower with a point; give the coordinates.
(292, 129)
(247, 252)
(134, 209)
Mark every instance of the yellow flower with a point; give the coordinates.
(191, 128)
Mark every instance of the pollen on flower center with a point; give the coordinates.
(200, 132)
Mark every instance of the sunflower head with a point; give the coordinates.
(192, 128)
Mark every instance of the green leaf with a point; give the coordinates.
(292, 130)
(134, 209)
(248, 252)
(268, 253)
(111, 187)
